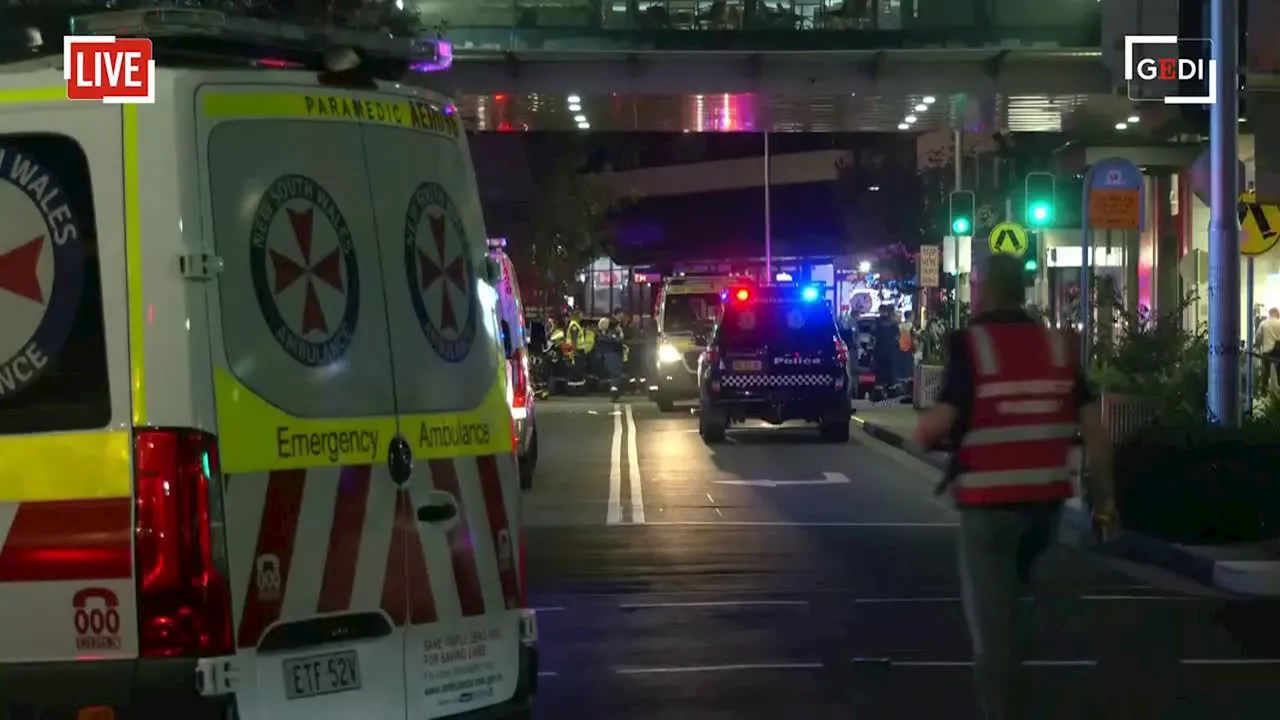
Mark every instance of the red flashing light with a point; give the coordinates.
(742, 295)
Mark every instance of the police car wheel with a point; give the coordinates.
(834, 432)
(712, 429)
(529, 462)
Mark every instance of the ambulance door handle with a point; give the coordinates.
(438, 513)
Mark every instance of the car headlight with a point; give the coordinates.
(668, 354)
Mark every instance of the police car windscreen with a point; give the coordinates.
(791, 325)
(690, 313)
(53, 363)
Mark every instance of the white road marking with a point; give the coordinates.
(718, 668)
(1025, 598)
(828, 478)
(1073, 663)
(714, 505)
(614, 515)
(715, 604)
(1230, 661)
(554, 608)
(969, 663)
(786, 523)
(633, 469)
(548, 673)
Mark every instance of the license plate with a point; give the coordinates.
(321, 674)
(747, 365)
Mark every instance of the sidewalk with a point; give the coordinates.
(1241, 569)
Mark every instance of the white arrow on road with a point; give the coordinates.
(828, 478)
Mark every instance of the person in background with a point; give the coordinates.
(1267, 345)
(631, 353)
(884, 357)
(580, 342)
(609, 345)
(906, 347)
(1013, 400)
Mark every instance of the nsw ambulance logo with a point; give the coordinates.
(305, 274)
(41, 269)
(441, 278)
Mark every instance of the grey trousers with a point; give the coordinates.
(998, 548)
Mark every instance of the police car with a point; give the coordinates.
(776, 355)
(256, 454)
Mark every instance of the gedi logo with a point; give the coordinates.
(1157, 68)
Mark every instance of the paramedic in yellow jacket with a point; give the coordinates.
(582, 342)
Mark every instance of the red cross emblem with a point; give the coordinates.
(326, 270)
(432, 271)
(18, 270)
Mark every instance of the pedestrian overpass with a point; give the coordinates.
(805, 65)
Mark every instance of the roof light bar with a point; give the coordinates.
(497, 243)
(421, 54)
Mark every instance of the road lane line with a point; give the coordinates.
(614, 516)
(715, 604)
(969, 663)
(714, 506)
(554, 608)
(903, 600)
(548, 673)
(1024, 598)
(1194, 662)
(1230, 661)
(717, 668)
(786, 523)
(633, 470)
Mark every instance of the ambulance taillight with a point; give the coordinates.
(184, 601)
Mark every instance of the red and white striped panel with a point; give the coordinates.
(327, 540)
(66, 540)
(53, 552)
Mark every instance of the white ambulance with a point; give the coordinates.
(687, 309)
(502, 273)
(256, 457)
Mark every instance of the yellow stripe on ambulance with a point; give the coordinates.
(340, 107)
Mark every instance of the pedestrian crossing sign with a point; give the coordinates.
(1259, 225)
(1009, 239)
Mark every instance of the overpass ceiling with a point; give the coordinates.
(1092, 115)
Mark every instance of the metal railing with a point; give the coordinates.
(927, 385)
(765, 24)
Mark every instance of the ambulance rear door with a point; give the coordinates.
(319, 531)
(463, 643)
(66, 476)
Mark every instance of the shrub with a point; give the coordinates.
(1201, 484)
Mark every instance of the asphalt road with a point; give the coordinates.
(776, 576)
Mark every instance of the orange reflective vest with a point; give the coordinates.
(1024, 417)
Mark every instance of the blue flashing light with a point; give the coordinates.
(809, 294)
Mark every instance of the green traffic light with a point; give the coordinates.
(960, 226)
(1041, 213)
(1030, 265)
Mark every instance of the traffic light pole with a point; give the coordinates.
(958, 137)
(1224, 224)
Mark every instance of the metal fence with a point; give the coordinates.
(1123, 415)
(927, 385)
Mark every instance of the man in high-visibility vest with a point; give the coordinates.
(1013, 401)
(581, 343)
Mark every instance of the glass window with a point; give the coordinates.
(53, 359)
